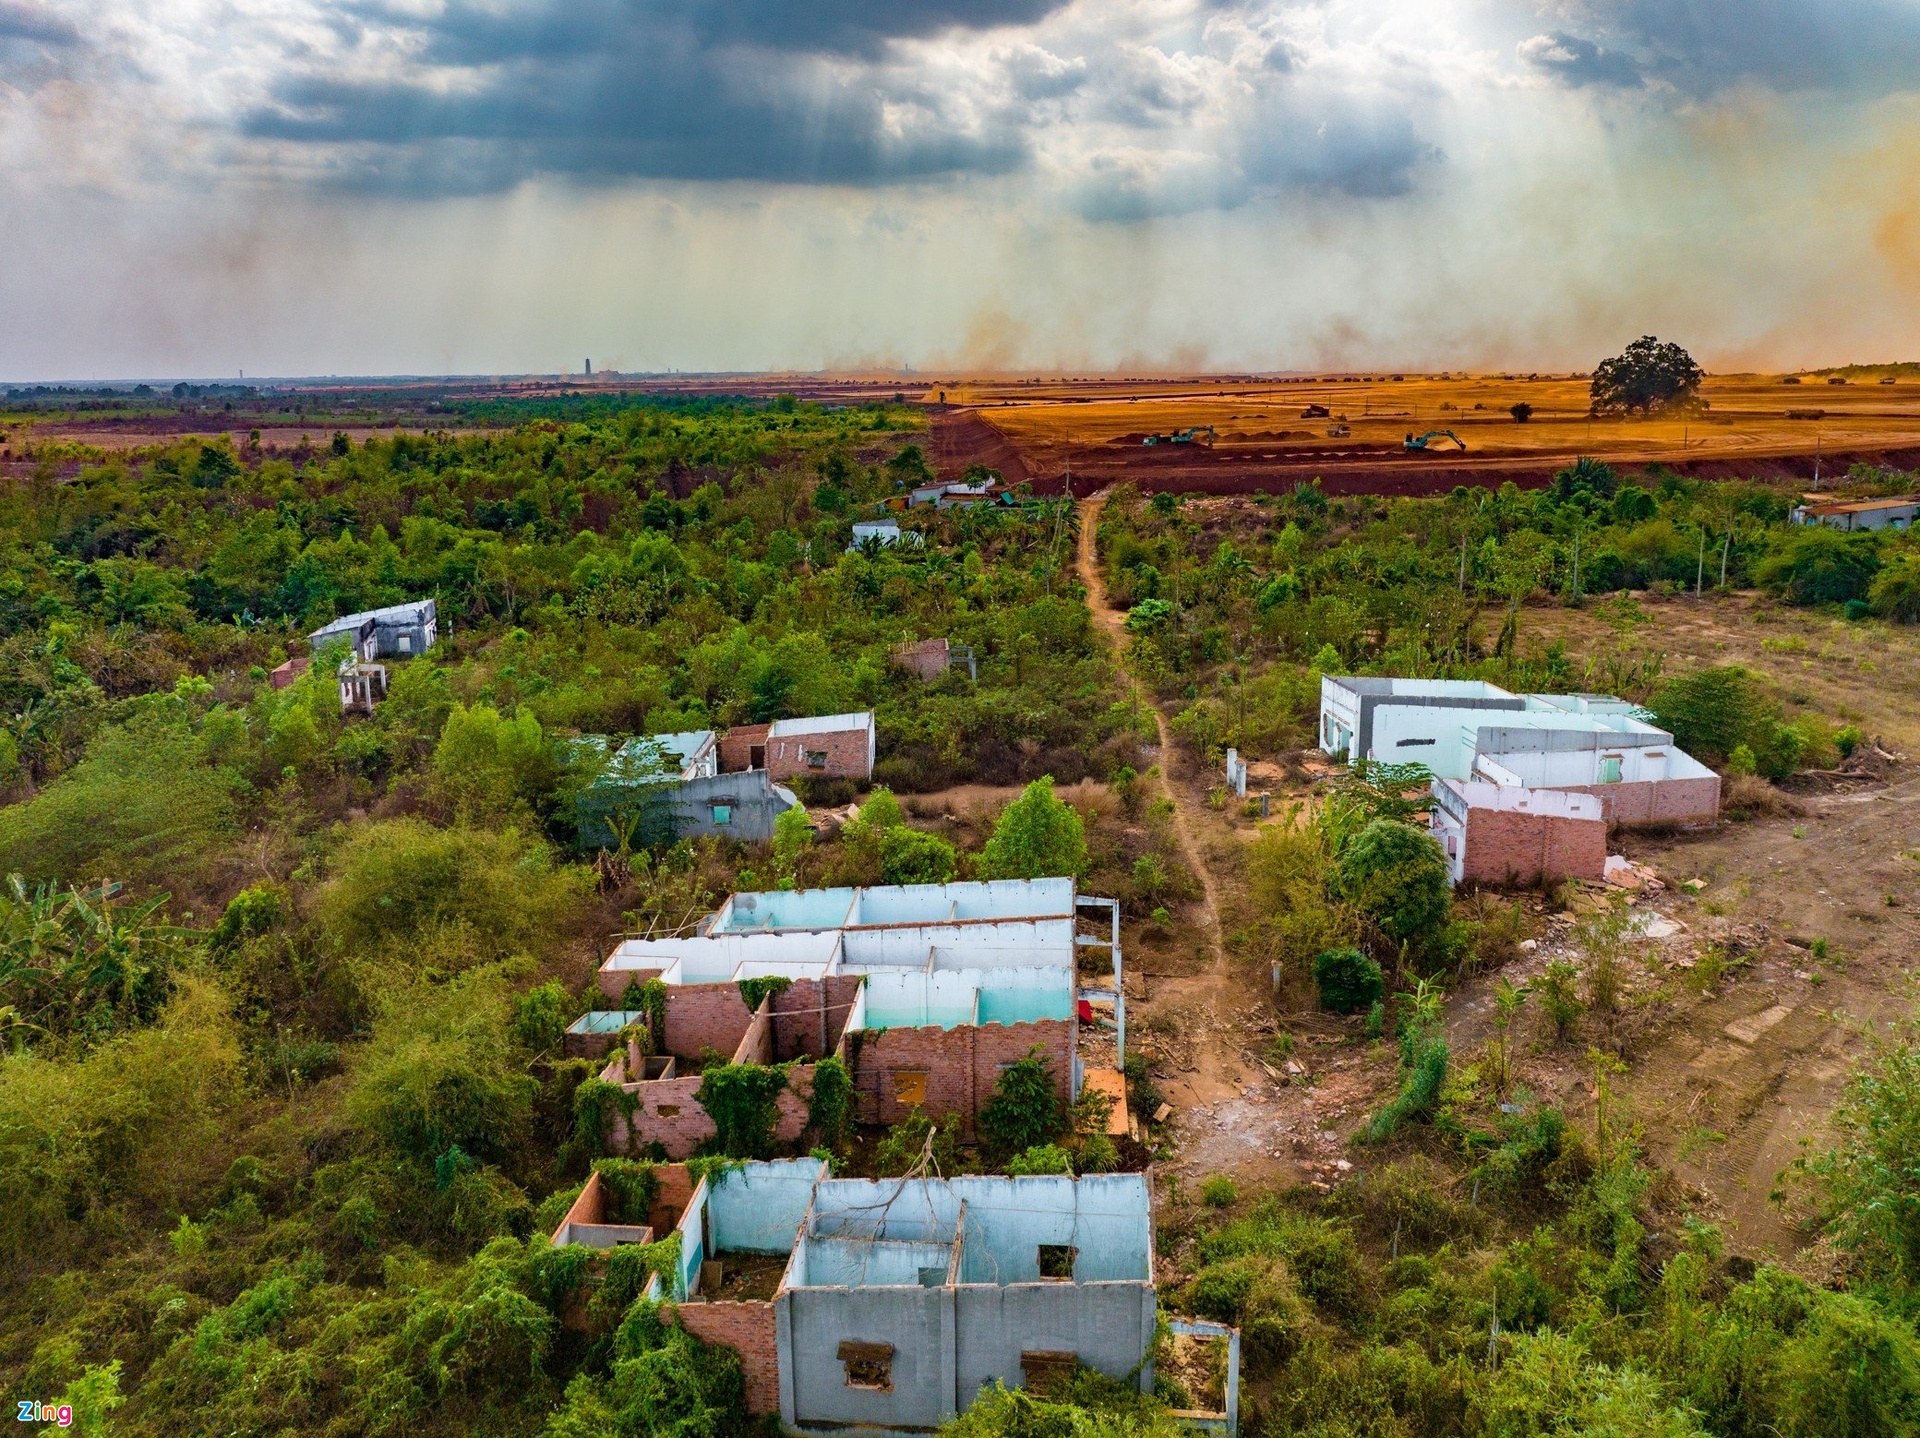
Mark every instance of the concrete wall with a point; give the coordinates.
(757, 1207)
(927, 660)
(1108, 1326)
(753, 803)
(917, 1322)
(1105, 1216)
(962, 1065)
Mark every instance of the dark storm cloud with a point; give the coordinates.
(719, 89)
(22, 21)
(1701, 46)
(1575, 61)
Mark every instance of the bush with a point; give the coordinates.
(490, 763)
(1037, 837)
(1040, 1159)
(911, 856)
(402, 882)
(1398, 876)
(1025, 1110)
(141, 807)
(1711, 712)
(1812, 564)
(1219, 1192)
(1348, 981)
(1895, 591)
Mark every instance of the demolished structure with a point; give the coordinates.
(398, 631)
(886, 1306)
(925, 992)
(1473, 736)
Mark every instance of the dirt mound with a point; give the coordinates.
(958, 438)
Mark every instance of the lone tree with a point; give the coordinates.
(1649, 377)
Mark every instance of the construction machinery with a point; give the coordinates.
(1427, 440)
(1182, 436)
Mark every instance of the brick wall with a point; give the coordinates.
(928, 659)
(1658, 801)
(613, 982)
(846, 751)
(736, 746)
(1512, 846)
(749, 1330)
(701, 1016)
(962, 1065)
(809, 1017)
(688, 1125)
(757, 1046)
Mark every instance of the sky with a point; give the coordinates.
(302, 187)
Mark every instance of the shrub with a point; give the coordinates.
(140, 807)
(742, 1101)
(540, 1017)
(489, 763)
(1711, 712)
(1812, 564)
(1041, 1158)
(1218, 1192)
(1895, 591)
(399, 882)
(1037, 836)
(1348, 981)
(911, 856)
(1398, 876)
(1025, 1110)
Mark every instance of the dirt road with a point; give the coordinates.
(1112, 623)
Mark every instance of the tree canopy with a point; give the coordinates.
(1649, 375)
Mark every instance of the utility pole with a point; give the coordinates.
(1463, 565)
(1816, 461)
(1700, 565)
(1725, 545)
(1576, 564)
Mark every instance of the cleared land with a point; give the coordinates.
(1264, 439)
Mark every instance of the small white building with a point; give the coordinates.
(1468, 730)
(1849, 514)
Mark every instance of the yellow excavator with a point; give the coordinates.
(1431, 437)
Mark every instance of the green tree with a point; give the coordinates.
(1398, 876)
(1894, 593)
(910, 856)
(1648, 376)
(1348, 981)
(1037, 836)
(490, 763)
(1025, 1110)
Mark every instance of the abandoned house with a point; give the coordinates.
(926, 992)
(831, 746)
(661, 787)
(1508, 835)
(928, 659)
(361, 640)
(884, 1307)
(1475, 732)
(399, 630)
(1898, 512)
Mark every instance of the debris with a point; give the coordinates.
(1694, 886)
(1163, 1113)
(1527, 946)
(1749, 1030)
(1623, 873)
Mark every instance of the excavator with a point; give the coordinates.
(1424, 441)
(1182, 436)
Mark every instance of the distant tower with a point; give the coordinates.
(589, 369)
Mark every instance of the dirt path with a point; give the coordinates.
(1110, 621)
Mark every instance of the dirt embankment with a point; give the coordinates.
(958, 438)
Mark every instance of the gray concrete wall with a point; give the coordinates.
(755, 801)
(918, 1322)
(1363, 736)
(1108, 1326)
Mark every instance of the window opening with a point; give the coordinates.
(869, 1365)
(910, 1088)
(1056, 1261)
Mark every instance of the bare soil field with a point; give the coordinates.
(1265, 439)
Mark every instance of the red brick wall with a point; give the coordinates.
(1510, 846)
(962, 1065)
(613, 982)
(749, 1330)
(681, 1133)
(928, 659)
(809, 1018)
(1659, 801)
(736, 746)
(757, 1046)
(703, 1016)
(846, 751)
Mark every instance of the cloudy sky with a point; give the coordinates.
(200, 187)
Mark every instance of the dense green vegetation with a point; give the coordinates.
(1236, 615)
(284, 1117)
(283, 1114)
